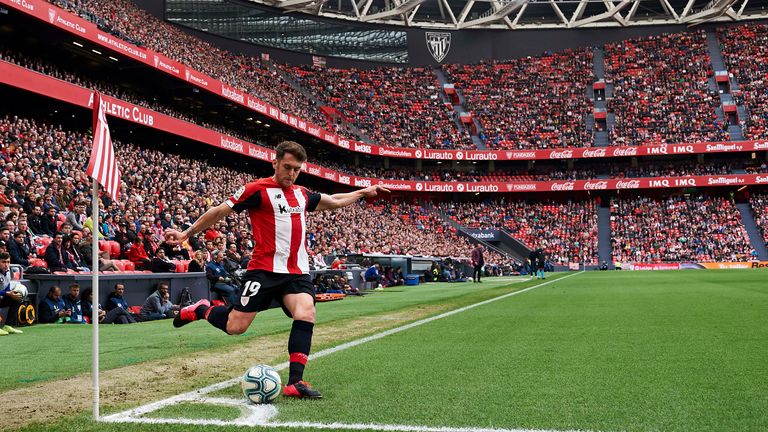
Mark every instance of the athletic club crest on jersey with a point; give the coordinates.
(438, 44)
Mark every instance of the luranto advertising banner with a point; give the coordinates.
(77, 26)
(16, 76)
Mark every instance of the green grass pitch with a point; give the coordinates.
(601, 351)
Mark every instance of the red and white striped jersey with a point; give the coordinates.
(278, 223)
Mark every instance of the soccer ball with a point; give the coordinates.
(261, 384)
(19, 288)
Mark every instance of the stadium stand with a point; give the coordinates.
(759, 203)
(400, 107)
(530, 103)
(567, 231)
(661, 93)
(123, 93)
(179, 189)
(124, 19)
(699, 229)
(745, 50)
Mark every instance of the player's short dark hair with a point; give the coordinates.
(292, 147)
(5, 256)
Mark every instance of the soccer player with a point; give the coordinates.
(279, 265)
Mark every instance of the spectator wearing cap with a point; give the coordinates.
(220, 281)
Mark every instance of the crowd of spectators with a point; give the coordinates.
(400, 107)
(683, 169)
(399, 228)
(745, 51)
(697, 229)
(128, 21)
(661, 92)
(532, 102)
(759, 204)
(566, 231)
(123, 93)
(43, 178)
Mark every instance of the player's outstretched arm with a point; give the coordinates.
(331, 202)
(210, 217)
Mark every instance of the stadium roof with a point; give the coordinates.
(528, 14)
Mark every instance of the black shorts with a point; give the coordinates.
(263, 290)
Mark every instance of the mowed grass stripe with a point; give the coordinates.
(672, 351)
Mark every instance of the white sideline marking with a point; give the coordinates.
(134, 415)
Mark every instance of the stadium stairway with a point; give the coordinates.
(718, 64)
(296, 86)
(716, 56)
(755, 237)
(460, 108)
(598, 63)
(604, 248)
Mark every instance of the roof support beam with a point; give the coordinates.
(611, 13)
(631, 13)
(449, 10)
(670, 9)
(503, 9)
(741, 9)
(578, 12)
(295, 3)
(465, 12)
(558, 12)
(717, 9)
(398, 9)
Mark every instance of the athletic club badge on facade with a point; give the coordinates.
(438, 44)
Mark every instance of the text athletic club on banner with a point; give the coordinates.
(102, 166)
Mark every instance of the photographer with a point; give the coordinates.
(221, 282)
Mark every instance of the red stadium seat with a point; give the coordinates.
(114, 249)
